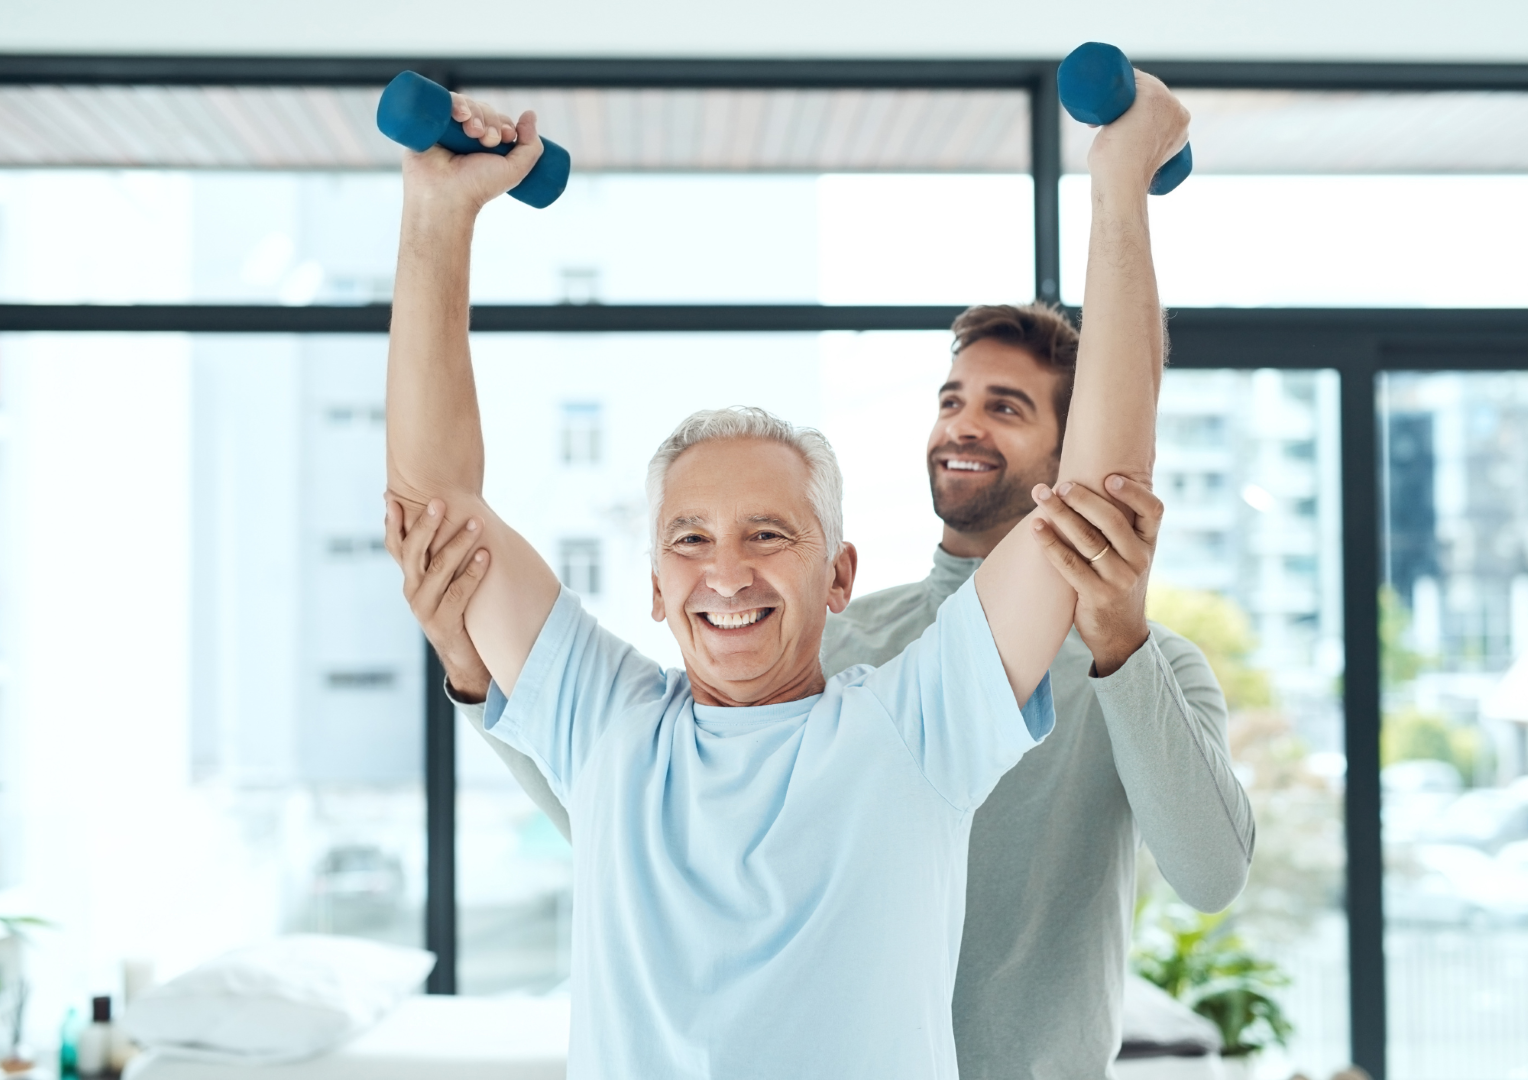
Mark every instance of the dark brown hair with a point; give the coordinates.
(1039, 329)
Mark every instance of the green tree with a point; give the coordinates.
(1399, 663)
(1222, 631)
(1412, 735)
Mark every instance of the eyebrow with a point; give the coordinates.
(770, 519)
(1001, 391)
(694, 521)
(688, 521)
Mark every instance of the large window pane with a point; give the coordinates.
(213, 705)
(677, 196)
(1325, 241)
(1333, 199)
(282, 238)
(1249, 567)
(1454, 628)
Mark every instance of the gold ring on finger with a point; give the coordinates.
(1100, 555)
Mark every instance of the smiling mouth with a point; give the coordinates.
(736, 620)
(967, 465)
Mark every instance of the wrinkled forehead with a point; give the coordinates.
(733, 483)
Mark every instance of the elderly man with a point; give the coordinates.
(770, 873)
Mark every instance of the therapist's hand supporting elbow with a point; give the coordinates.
(437, 587)
(1111, 587)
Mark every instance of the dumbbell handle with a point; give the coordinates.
(417, 113)
(1096, 84)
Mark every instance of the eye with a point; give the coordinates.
(766, 535)
(690, 540)
(948, 403)
(1003, 406)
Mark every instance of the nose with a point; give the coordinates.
(966, 425)
(728, 572)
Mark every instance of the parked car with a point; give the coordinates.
(1487, 818)
(1457, 885)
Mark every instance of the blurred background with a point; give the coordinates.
(213, 699)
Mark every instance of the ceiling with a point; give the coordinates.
(717, 130)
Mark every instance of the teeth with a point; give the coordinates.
(967, 466)
(734, 620)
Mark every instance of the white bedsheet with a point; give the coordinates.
(425, 1038)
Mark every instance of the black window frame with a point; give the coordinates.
(1360, 344)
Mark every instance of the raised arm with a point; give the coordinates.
(1111, 427)
(434, 434)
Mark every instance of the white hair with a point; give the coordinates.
(825, 483)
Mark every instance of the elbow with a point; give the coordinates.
(1214, 895)
(1216, 880)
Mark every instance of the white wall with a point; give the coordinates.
(1476, 30)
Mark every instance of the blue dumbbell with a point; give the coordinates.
(417, 113)
(1097, 85)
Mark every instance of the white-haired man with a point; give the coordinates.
(770, 870)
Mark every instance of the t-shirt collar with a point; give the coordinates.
(755, 714)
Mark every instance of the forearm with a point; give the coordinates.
(1166, 725)
(434, 433)
(1111, 427)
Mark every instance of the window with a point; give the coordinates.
(1194, 430)
(1330, 175)
(581, 434)
(578, 564)
(1453, 746)
(1258, 588)
(265, 672)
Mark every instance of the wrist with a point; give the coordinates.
(438, 213)
(1122, 190)
(1115, 653)
(468, 684)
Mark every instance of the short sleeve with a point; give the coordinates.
(578, 680)
(950, 700)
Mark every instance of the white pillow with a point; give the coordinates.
(283, 1000)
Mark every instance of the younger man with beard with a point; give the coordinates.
(1139, 749)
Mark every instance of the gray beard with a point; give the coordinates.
(1005, 500)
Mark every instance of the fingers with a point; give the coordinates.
(443, 568)
(527, 143)
(415, 550)
(1104, 516)
(480, 121)
(1141, 499)
(392, 530)
(1072, 567)
(453, 604)
(1088, 540)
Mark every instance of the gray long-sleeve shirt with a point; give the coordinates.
(1139, 754)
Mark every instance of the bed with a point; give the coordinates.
(521, 1037)
(425, 1038)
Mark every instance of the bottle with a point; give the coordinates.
(68, 1053)
(94, 1054)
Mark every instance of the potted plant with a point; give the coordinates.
(1199, 960)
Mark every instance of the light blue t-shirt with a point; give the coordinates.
(774, 891)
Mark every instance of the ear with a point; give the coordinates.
(842, 585)
(660, 613)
